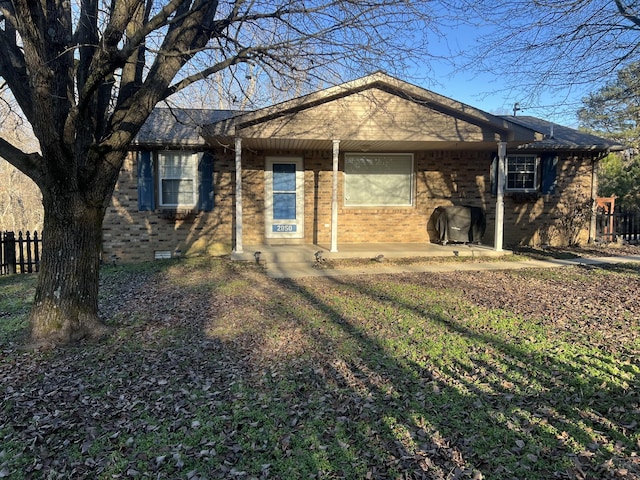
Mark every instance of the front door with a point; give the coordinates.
(284, 197)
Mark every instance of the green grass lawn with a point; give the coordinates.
(213, 371)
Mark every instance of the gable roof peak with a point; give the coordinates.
(376, 80)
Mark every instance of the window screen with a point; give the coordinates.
(378, 179)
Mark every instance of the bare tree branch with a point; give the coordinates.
(87, 74)
(543, 45)
(28, 163)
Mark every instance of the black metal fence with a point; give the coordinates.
(623, 225)
(21, 254)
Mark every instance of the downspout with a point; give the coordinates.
(238, 229)
(499, 224)
(334, 197)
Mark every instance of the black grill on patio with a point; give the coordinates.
(459, 224)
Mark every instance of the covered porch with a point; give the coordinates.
(367, 160)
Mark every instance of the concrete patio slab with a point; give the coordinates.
(295, 261)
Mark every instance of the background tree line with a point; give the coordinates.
(20, 198)
(614, 112)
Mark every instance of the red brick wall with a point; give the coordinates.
(441, 178)
(134, 236)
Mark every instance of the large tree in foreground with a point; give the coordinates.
(86, 74)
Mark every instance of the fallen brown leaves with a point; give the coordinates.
(601, 305)
(220, 372)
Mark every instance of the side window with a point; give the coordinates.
(527, 173)
(175, 180)
(522, 173)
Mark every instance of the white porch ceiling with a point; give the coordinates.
(266, 144)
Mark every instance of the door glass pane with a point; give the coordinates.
(284, 206)
(284, 177)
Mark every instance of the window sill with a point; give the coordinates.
(177, 213)
(378, 207)
(523, 197)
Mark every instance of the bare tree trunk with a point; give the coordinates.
(65, 307)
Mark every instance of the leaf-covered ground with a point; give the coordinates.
(215, 371)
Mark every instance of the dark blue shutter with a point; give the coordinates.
(146, 194)
(205, 182)
(493, 173)
(549, 176)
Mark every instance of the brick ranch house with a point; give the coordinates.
(367, 161)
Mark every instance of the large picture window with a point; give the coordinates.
(177, 177)
(378, 179)
(522, 173)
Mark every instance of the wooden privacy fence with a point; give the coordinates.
(623, 225)
(19, 255)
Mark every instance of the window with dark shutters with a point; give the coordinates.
(176, 189)
(527, 173)
(521, 173)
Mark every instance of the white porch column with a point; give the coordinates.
(238, 230)
(334, 197)
(499, 226)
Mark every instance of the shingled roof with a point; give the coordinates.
(559, 137)
(178, 126)
(171, 127)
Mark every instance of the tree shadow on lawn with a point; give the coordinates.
(505, 408)
(223, 373)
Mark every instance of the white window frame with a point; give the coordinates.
(536, 173)
(194, 158)
(350, 202)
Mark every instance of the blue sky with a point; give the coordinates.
(451, 71)
(490, 92)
